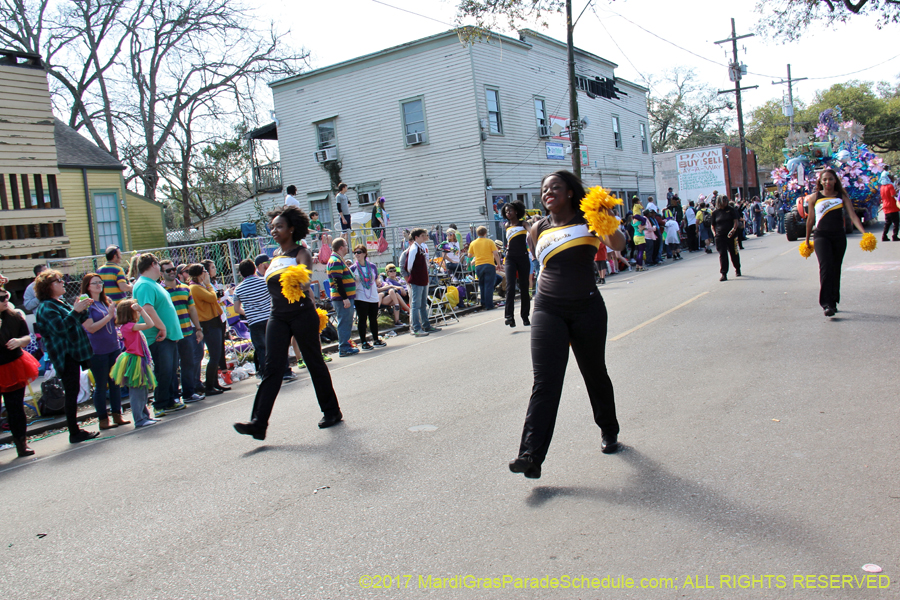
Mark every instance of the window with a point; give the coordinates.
(540, 112)
(413, 121)
(325, 134)
(493, 106)
(106, 206)
(645, 143)
(617, 133)
(367, 193)
(323, 207)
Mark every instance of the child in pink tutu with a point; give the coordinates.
(134, 367)
(17, 369)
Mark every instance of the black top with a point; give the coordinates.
(517, 246)
(11, 326)
(723, 220)
(280, 305)
(569, 274)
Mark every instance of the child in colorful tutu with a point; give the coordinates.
(17, 369)
(134, 367)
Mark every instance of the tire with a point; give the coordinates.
(791, 229)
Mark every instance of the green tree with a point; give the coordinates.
(767, 128)
(788, 20)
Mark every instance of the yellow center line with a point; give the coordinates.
(657, 317)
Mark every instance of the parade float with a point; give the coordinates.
(838, 146)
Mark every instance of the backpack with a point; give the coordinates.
(707, 218)
(329, 334)
(53, 397)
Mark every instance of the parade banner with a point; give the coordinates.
(700, 172)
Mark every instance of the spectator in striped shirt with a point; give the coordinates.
(252, 299)
(190, 347)
(343, 294)
(115, 284)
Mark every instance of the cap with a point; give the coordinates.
(181, 269)
(262, 258)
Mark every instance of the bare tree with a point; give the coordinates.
(788, 20)
(688, 115)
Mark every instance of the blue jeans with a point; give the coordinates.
(418, 307)
(100, 366)
(487, 279)
(344, 324)
(165, 363)
(189, 366)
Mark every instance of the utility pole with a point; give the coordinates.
(737, 70)
(790, 83)
(574, 122)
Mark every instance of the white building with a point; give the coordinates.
(447, 131)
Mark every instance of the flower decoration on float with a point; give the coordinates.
(595, 205)
(292, 282)
(323, 319)
(868, 242)
(806, 250)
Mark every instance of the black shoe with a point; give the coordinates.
(367, 346)
(829, 312)
(223, 388)
(511, 321)
(526, 466)
(22, 448)
(526, 322)
(737, 273)
(895, 239)
(884, 238)
(329, 421)
(81, 436)
(251, 428)
(723, 277)
(379, 344)
(213, 391)
(609, 443)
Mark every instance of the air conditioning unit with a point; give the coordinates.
(415, 138)
(366, 198)
(326, 155)
(543, 131)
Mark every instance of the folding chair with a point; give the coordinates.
(439, 306)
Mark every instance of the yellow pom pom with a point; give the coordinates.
(323, 319)
(868, 242)
(595, 205)
(806, 249)
(292, 282)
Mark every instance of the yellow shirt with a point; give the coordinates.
(206, 302)
(483, 250)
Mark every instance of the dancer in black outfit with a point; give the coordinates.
(298, 319)
(568, 310)
(517, 265)
(725, 221)
(830, 240)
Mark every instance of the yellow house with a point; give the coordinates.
(61, 196)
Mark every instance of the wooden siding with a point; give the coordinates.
(441, 180)
(242, 212)
(33, 216)
(71, 191)
(148, 222)
(26, 122)
(517, 159)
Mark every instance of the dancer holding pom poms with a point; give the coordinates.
(830, 239)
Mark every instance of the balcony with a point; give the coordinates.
(267, 178)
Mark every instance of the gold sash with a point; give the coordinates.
(279, 263)
(553, 241)
(512, 232)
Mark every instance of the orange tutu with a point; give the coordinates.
(18, 373)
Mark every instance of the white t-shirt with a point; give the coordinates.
(291, 201)
(691, 216)
(672, 230)
(652, 206)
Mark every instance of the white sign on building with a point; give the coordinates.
(700, 172)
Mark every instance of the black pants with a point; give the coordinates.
(692, 237)
(304, 326)
(891, 219)
(555, 326)
(518, 269)
(15, 412)
(727, 246)
(71, 380)
(366, 311)
(830, 247)
(214, 336)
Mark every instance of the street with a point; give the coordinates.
(759, 439)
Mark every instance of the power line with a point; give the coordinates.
(414, 13)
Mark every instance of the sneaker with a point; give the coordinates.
(176, 407)
(379, 344)
(420, 333)
(289, 376)
(194, 398)
(326, 358)
(301, 364)
(147, 423)
(349, 352)
(432, 329)
(367, 346)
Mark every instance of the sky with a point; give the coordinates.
(630, 33)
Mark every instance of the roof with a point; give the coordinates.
(76, 151)
(266, 132)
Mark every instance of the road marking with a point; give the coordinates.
(657, 317)
(788, 251)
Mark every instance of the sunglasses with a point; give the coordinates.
(169, 270)
(392, 270)
(358, 252)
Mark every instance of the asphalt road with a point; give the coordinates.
(760, 438)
